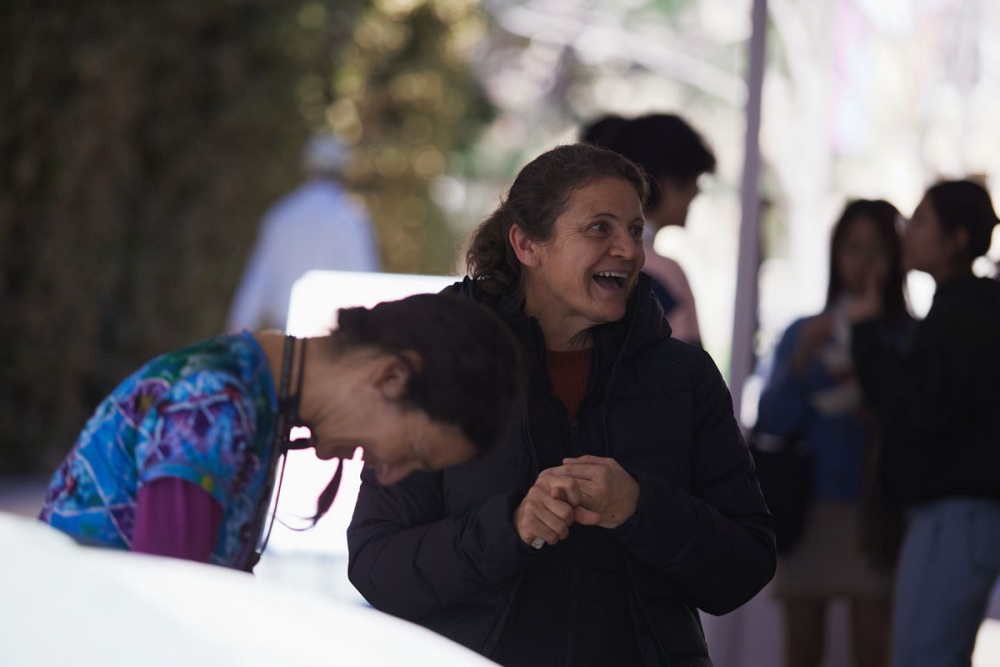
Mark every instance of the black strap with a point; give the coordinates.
(284, 420)
(287, 417)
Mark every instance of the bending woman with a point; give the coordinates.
(179, 459)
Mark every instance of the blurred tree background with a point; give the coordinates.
(141, 142)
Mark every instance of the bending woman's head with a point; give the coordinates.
(539, 195)
(465, 366)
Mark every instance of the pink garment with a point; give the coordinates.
(176, 518)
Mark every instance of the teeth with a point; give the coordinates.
(612, 274)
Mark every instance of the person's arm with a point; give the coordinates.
(784, 402)
(715, 544)
(409, 558)
(176, 518)
(199, 454)
(683, 317)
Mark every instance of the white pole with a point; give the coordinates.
(745, 316)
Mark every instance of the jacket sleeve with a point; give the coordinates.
(409, 557)
(783, 406)
(715, 544)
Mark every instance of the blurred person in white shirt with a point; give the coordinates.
(318, 226)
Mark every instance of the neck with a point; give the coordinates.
(273, 344)
(560, 335)
(583, 340)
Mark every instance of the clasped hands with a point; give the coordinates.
(589, 490)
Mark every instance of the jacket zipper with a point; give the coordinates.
(576, 450)
(609, 452)
(574, 437)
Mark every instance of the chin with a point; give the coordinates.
(609, 315)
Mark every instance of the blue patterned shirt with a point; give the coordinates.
(205, 414)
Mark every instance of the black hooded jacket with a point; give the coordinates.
(440, 549)
(939, 399)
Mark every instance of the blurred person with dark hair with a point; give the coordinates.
(317, 227)
(626, 500)
(673, 156)
(180, 458)
(603, 130)
(813, 393)
(939, 400)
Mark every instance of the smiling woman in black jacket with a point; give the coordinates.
(625, 502)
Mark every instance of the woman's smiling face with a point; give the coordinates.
(398, 441)
(582, 276)
(365, 407)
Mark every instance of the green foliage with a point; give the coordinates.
(141, 143)
(406, 94)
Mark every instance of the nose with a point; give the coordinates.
(625, 246)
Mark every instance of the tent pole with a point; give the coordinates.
(745, 315)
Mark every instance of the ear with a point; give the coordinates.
(525, 248)
(392, 373)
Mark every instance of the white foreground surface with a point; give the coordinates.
(66, 604)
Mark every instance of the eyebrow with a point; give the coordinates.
(607, 214)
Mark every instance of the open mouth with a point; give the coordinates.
(614, 280)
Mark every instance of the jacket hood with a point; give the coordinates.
(642, 325)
